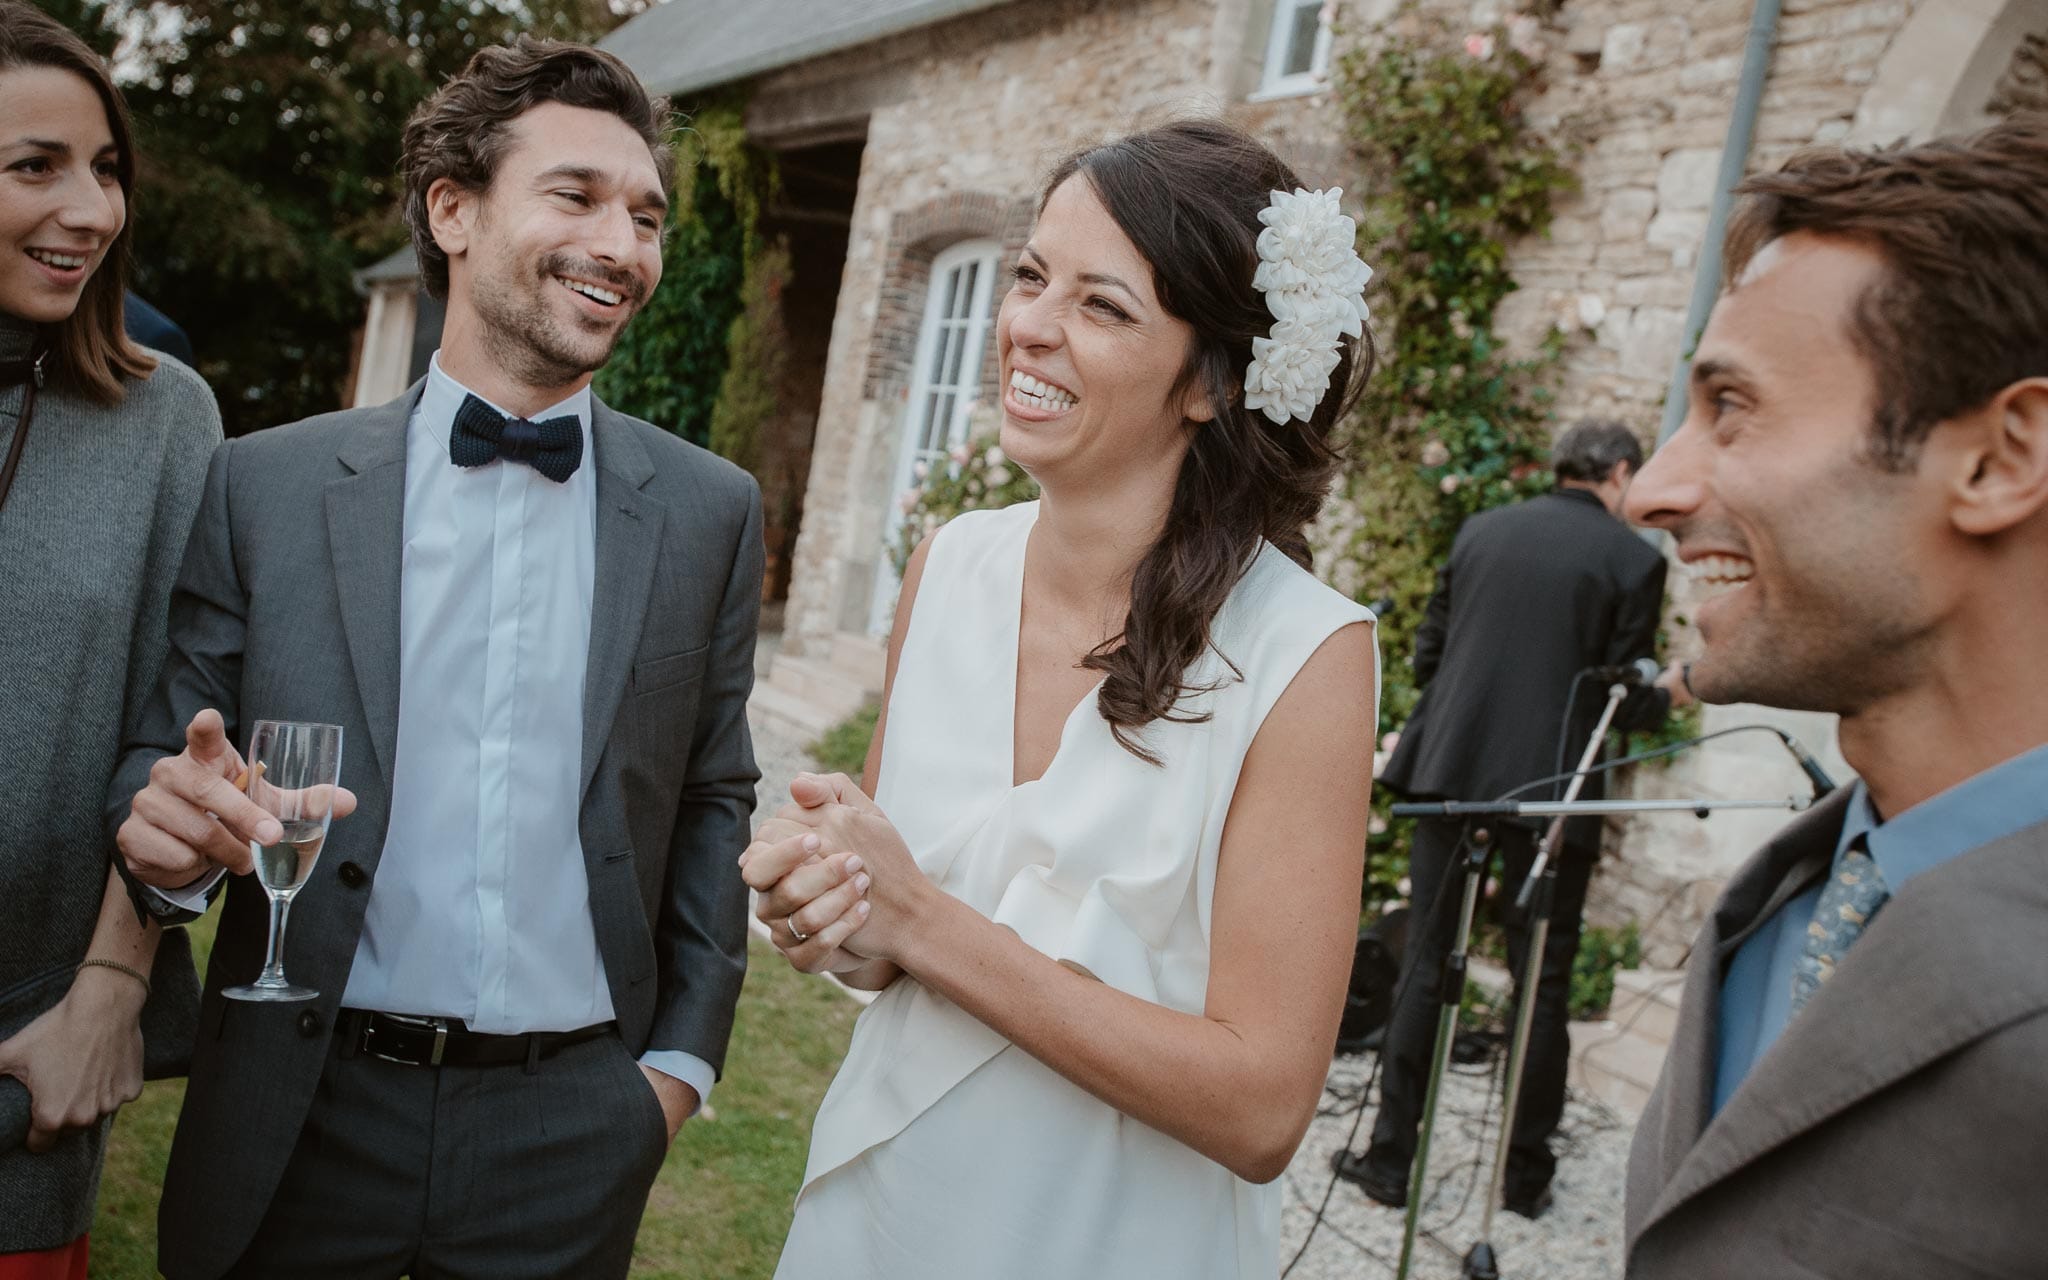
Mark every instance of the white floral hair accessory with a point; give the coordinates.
(1314, 282)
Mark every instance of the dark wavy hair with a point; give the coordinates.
(460, 133)
(90, 349)
(1961, 309)
(1188, 194)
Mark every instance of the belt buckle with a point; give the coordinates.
(439, 1026)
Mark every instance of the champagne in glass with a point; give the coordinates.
(293, 770)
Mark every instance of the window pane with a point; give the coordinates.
(1304, 24)
(969, 273)
(931, 431)
(956, 351)
(957, 292)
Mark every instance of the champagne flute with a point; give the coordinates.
(293, 770)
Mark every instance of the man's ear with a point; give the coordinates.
(451, 211)
(2000, 461)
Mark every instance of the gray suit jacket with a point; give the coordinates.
(1899, 1128)
(286, 607)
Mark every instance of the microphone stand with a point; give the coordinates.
(1540, 885)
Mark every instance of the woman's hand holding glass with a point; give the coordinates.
(836, 885)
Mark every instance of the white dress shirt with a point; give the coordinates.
(481, 905)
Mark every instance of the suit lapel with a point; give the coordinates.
(1936, 970)
(1777, 873)
(629, 531)
(366, 540)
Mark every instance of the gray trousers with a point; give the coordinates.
(445, 1172)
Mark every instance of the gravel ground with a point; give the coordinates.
(1578, 1239)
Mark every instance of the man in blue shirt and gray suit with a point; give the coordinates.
(1856, 1085)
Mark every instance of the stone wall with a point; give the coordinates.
(962, 118)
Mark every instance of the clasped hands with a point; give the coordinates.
(836, 885)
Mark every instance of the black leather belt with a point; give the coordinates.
(446, 1042)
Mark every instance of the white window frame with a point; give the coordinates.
(923, 440)
(1272, 82)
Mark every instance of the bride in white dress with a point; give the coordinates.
(1109, 883)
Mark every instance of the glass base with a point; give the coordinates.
(283, 991)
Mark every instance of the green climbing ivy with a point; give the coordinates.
(672, 367)
(1452, 423)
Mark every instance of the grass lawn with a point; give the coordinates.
(722, 1204)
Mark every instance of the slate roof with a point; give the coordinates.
(683, 45)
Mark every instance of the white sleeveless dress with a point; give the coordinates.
(942, 1152)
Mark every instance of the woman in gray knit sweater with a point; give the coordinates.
(109, 455)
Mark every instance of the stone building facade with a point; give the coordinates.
(936, 120)
(964, 116)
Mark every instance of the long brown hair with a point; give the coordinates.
(1188, 194)
(461, 132)
(1961, 310)
(90, 350)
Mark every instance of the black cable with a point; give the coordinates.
(1443, 896)
(1637, 758)
(1564, 726)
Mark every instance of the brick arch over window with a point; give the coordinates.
(916, 237)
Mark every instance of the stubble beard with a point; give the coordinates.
(1835, 642)
(526, 339)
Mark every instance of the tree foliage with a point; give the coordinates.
(705, 358)
(1452, 423)
(668, 366)
(268, 136)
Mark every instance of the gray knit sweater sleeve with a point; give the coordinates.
(183, 478)
(90, 539)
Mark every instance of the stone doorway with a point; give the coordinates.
(813, 215)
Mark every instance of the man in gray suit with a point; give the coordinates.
(534, 619)
(1856, 1085)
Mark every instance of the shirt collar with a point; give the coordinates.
(2005, 798)
(443, 395)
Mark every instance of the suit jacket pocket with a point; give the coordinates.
(658, 674)
(663, 706)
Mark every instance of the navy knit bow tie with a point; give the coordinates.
(553, 447)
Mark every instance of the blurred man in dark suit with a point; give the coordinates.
(1533, 595)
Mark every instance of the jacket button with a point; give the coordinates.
(309, 1024)
(352, 875)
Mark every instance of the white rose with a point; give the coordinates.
(998, 476)
(993, 458)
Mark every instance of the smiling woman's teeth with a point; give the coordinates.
(61, 261)
(1040, 395)
(606, 296)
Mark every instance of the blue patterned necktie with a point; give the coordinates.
(1853, 894)
(553, 447)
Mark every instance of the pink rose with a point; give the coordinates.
(1479, 45)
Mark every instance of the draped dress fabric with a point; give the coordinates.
(942, 1150)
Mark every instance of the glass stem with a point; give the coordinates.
(273, 956)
